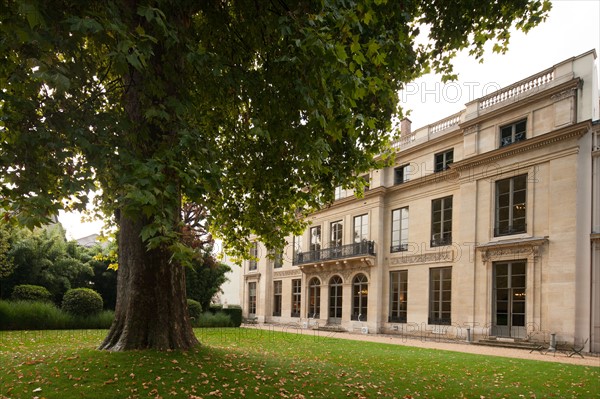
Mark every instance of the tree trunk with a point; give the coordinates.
(151, 309)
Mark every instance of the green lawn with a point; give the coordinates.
(254, 363)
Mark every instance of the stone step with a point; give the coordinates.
(509, 343)
(330, 328)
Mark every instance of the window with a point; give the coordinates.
(335, 300)
(296, 297)
(360, 295)
(314, 298)
(399, 230)
(339, 193)
(337, 231)
(511, 206)
(315, 238)
(251, 299)
(277, 258)
(398, 296)
(443, 160)
(440, 295)
(361, 228)
(441, 221)
(296, 248)
(277, 288)
(252, 265)
(402, 174)
(512, 133)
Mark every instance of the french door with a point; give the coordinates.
(509, 298)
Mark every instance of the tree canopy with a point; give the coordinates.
(255, 109)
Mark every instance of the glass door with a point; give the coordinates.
(509, 300)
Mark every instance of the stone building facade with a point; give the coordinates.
(488, 220)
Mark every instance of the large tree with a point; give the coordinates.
(256, 109)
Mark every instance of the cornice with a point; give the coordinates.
(577, 130)
(401, 153)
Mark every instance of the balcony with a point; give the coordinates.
(507, 229)
(342, 252)
(441, 239)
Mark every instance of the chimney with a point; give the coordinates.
(405, 127)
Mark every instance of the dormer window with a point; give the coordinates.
(513, 133)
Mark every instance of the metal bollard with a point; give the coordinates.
(552, 342)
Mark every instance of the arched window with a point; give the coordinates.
(314, 298)
(360, 295)
(335, 300)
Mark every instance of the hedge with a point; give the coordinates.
(233, 311)
(27, 292)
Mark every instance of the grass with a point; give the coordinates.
(255, 363)
(30, 315)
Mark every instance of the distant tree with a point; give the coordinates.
(6, 265)
(255, 109)
(100, 259)
(204, 279)
(42, 257)
(205, 275)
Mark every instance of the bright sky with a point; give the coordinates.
(572, 28)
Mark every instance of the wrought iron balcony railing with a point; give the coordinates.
(506, 229)
(340, 252)
(441, 239)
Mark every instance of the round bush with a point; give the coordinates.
(28, 292)
(194, 309)
(82, 302)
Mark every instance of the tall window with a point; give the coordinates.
(277, 289)
(296, 247)
(296, 297)
(252, 299)
(398, 296)
(277, 258)
(252, 265)
(399, 230)
(335, 300)
(511, 206)
(440, 295)
(402, 174)
(443, 160)
(337, 231)
(339, 193)
(441, 221)
(512, 133)
(315, 238)
(314, 298)
(360, 295)
(361, 228)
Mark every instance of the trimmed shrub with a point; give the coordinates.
(233, 311)
(82, 302)
(194, 309)
(218, 319)
(27, 292)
